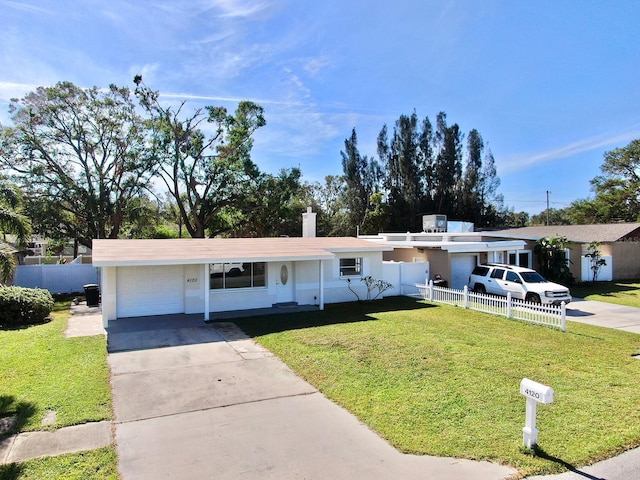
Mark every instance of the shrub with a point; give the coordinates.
(24, 306)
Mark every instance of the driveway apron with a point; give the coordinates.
(601, 314)
(211, 403)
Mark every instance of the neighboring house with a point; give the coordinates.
(10, 249)
(451, 256)
(619, 246)
(157, 277)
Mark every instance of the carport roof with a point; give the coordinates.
(184, 251)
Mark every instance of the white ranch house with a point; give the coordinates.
(158, 277)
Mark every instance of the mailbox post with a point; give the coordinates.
(535, 393)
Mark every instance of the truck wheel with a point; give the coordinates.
(533, 298)
(479, 288)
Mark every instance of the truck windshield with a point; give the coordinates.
(532, 277)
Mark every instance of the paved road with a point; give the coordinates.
(231, 410)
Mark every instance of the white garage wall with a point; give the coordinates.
(194, 278)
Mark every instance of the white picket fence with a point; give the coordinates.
(549, 315)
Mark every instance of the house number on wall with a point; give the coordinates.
(192, 280)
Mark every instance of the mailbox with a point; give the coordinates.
(536, 391)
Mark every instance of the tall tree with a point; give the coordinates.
(405, 148)
(363, 178)
(448, 166)
(78, 153)
(12, 221)
(493, 212)
(276, 212)
(403, 159)
(426, 168)
(206, 174)
(329, 201)
(471, 201)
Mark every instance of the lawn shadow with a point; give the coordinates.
(14, 414)
(333, 314)
(10, 471)
(582, 290)
(540, 453)
(24, 326)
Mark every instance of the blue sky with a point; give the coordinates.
(549, 85)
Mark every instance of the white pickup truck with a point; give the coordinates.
(231, 269)
(523, 283)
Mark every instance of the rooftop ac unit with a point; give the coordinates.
(434, 223)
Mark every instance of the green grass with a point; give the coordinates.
(99, 464)
(622, 293)
(41, 371)
(444, 381)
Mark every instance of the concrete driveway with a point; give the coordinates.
(213, 404)
(604, 314)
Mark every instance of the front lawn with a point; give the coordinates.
(444, 381)
(622, 293)
(42, 372)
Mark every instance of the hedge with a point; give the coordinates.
(24, 306)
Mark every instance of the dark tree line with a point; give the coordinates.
(421, 170)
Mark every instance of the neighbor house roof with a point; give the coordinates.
(603, 233)
(217, 250)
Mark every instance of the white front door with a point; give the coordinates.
(284, 282)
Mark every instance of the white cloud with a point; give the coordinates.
(239, 8)
(523, 161)
(315, 66)
(26, 7)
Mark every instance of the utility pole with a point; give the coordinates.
(548, 192)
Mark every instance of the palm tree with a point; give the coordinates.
(12, 221)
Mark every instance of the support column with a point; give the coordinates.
(205, 287)
(321, 282)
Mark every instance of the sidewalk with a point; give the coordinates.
(24, 446)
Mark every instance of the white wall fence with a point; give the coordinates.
(404, 276)
(605, 272)
(549, 315)
(69, 278)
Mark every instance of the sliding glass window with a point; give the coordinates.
(237, 275)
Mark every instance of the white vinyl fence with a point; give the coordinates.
(549, 315)
(68, 278)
